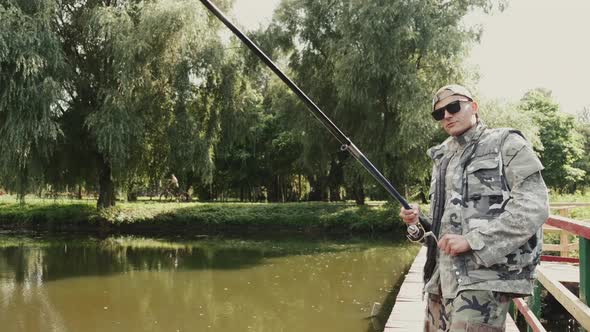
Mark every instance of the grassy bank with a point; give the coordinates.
(171, 217)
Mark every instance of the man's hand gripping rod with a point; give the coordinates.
(416, 232)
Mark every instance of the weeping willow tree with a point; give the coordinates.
(372, 66)
(99, 92)
(157, 57)
(31, 74)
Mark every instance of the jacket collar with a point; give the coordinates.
(470, 135)
(453, 143)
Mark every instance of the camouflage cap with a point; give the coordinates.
(450, 90)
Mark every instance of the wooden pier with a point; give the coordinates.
(409, 309)
(554, 271)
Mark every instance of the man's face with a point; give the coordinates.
(458, 123)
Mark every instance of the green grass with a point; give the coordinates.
(578, 197)
(580, 213)
(48, 213)
(155, 216)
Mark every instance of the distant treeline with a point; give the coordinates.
(113, 97)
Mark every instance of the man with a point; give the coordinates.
(488, 203)
(173, 182)
(172, 185)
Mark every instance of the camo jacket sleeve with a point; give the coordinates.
(525, 211)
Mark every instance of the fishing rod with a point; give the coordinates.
(415, 232)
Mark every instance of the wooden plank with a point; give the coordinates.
(409, 309)
(564, 210)
(528, 315)
(577, 204)
(568, 300)
(564, 247)
(547, 258)
(564, 241)
(573, 226)
(557, 247)
(560, 272)
(550, 228)
(551, 247)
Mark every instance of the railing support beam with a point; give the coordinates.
(584, 273)
(535, 305)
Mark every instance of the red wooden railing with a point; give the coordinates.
(577, 307)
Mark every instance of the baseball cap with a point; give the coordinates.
(450, 90)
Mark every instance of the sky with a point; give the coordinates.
(533, 43)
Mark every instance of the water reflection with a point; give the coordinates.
(140, 284)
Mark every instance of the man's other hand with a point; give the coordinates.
(453, 244)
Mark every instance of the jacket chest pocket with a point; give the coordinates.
(483, 191)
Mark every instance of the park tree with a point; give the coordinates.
(372, 66)
(257, 154)
(583, 128)
(496, 114)
(31, 77)
(562, 144)
(239, 168)
(114, 85)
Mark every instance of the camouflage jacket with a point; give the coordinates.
(497, 199)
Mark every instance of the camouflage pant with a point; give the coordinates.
(470, 311)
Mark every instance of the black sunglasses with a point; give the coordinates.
(452, 108)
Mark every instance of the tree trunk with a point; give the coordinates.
(336, 177)
(335, 194)
(131, 193)
(358, 191)
(22, 184)
(280, 189)
(275, 193)
(106, 187)
(318, 188)
(300, 193)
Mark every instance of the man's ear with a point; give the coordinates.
(474, 106)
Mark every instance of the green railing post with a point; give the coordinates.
(534, 303)
(584, 273)
(584, 248)
(513, 311)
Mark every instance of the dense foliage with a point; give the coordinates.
(111, 97)
(562, 145)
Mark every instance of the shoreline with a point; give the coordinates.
(153, 218)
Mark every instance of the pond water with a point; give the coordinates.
(202, 284)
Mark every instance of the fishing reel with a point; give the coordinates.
(417, 233)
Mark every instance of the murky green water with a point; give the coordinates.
(142, 284)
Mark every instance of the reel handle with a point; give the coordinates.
(417, 233)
